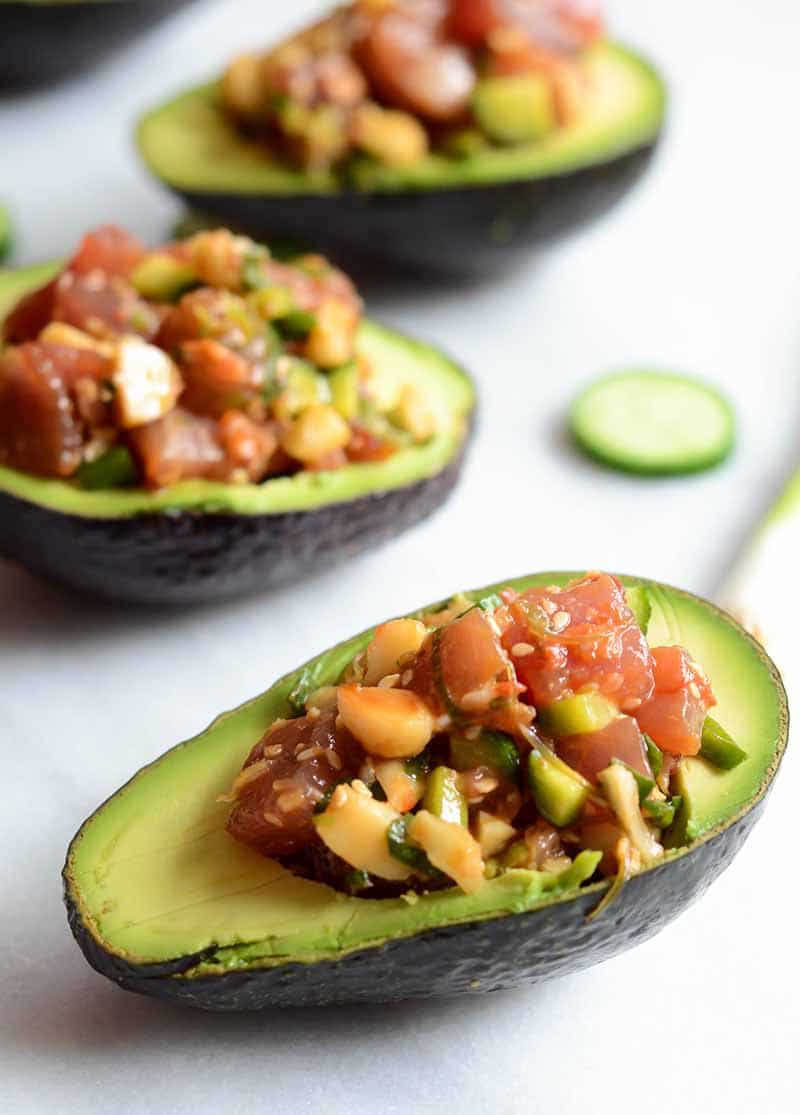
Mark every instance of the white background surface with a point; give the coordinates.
(698, 270)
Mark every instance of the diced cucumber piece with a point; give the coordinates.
(303, 386)
(559, 792)
(494, 750)
(163, 278)
(718, 748)
(577, 715)
(115, 468)
(296, 325)
(443, 797)
(653, 423)
(344, 386)
(515, 109)
(271, 302)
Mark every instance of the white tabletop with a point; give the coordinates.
(697, 270)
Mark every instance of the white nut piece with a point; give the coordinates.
(391, 642)
(450, 847)
(390, 723)
(147, 383)
(318, 430)
(354, 827)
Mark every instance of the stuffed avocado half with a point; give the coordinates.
(170, 891)
(496, 129)
(207, 434)
(46, 40)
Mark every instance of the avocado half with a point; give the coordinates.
(202, 540)
(442, 214)
(45, 40)
(163, 901)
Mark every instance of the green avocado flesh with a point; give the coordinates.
(154, 877)
(400, 360)
(190, 144)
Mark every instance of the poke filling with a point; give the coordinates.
(201, 359)
(389, 81)
(512, 733)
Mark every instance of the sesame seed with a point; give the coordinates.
(248, 775)
(334, 760)
(522, 650)
(282, 784)
(273, 750)
(272, 818)
(308, 753)
(389, 682)
(406, 677)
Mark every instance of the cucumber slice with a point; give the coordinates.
(5, 233)
(653, 423)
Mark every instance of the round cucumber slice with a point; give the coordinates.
(653, 423)
(5, 233)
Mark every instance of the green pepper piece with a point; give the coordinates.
(718, 748)
(494, 750)
(577, 715)
(655, 756)
(115, 468)
(443, 797)
(559, 792)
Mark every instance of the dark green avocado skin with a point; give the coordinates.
(469, 231)
(42, 43)
(184, 557)
(481, 956)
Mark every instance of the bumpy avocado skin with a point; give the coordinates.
(191, 557)
(482, 956)
(475, 230)
(44, 42)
